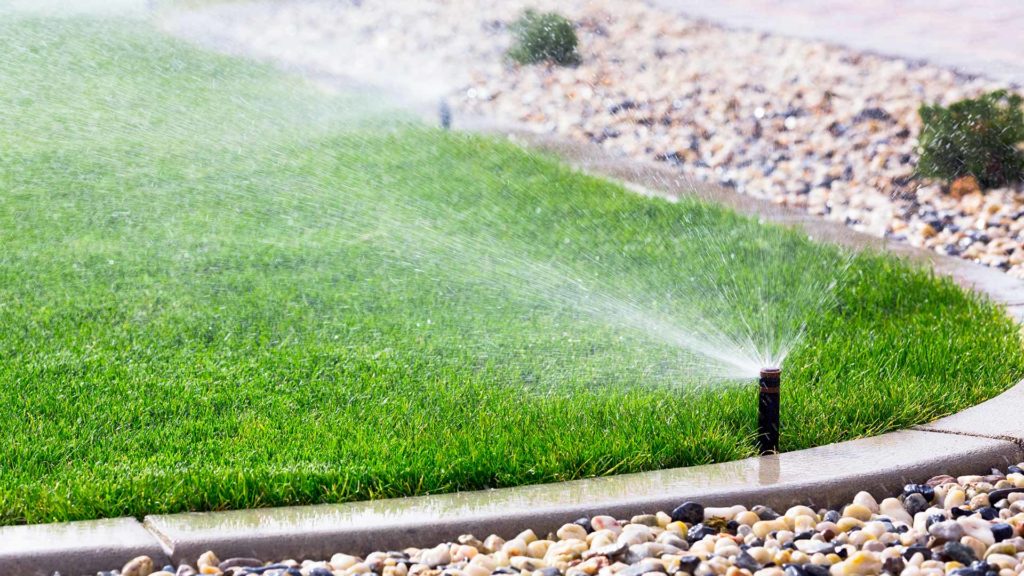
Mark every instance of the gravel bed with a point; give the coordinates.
(799, 122)
(965, 526)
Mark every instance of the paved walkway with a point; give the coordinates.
(975, 36)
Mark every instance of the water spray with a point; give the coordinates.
(768, 411)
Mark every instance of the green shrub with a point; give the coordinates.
(974, 137)
(547, 37)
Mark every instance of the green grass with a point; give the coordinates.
(220, 288)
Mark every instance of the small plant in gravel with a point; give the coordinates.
(544, 37)
(977, 137)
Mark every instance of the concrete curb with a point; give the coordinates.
(75, 548)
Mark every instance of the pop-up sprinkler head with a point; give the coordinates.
(768, 411)
(445, 115)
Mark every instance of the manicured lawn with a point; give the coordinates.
(220, 288)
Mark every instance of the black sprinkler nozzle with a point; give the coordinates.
(768, 411)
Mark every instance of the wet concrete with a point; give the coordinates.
(74, 548)
(824, 476)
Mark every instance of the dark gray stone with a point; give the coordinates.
(688, 512)
(957, 552)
